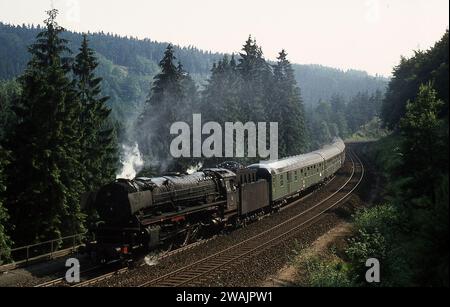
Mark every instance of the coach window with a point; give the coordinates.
(295, 176)
(281, 180)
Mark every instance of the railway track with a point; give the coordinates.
(96, 274)
(204, 269)
(201, 271)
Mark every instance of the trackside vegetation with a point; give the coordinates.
(409, 232)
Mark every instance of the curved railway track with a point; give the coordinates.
(96, 274)
(203, 270)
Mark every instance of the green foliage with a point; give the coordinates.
(410, 236)
(256, 74)
(5, 241)
(374, 239)
(172, 98)
(373, 130)
(377, 219)
(286, 108)
(220, 98)
(341, 118)
(43, 177)
(322, 83)
(127, 66)
(325, 273)
(410, 74)
(425, 142)
(253, 90)
(9, 91)
(98, 139)
(236, 92)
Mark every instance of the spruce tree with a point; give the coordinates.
(287, 108)
(256, 79)
(190, 102)
(98, 142)
(161, 111)
(43, 178)
(220, 96)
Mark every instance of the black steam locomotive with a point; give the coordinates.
(144, 214)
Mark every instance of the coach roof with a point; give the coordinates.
(302, 161)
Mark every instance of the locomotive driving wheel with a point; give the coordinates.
(191, 234)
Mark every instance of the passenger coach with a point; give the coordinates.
(291, 176)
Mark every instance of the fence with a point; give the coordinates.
(40, 251)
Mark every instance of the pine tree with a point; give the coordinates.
(161, 111)
(221, 94)
(287, 108)
(98, 142)
(43, 178)
(256, 79)
(220, 98)
(167, 83)
(190, 102)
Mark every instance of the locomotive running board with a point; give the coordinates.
(188, 211)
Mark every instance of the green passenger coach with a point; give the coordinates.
(289, 177)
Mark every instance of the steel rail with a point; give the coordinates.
(240, 251)
(95, 280)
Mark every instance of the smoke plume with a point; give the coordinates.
(132, 162)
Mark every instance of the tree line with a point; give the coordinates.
(58, 137)
(416, 107)
(240, 89)
(128, 65)
(409, 231)
(60, 142)
(343, 118)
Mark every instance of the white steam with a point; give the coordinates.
(194, 168)
(132, 162)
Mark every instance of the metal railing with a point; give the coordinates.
(45, 250)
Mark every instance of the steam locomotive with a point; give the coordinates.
(144, 214)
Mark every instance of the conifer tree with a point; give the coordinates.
(98, 142)
(190, 103)
(287, 108)
(221, 94)
(256, 78)
(161, 111)
(220, 98)
(43, 177)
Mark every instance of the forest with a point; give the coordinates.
(69, 101)
(408, 232)
(128, 65)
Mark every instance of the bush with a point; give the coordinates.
(323, 273)
(380, 219)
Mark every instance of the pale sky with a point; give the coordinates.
(349, 34)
